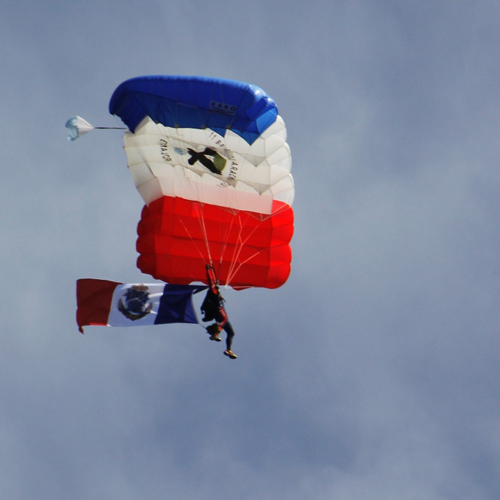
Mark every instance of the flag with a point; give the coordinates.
(108, 303)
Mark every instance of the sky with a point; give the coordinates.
(373, 373)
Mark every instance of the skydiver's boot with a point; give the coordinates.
(230, 354)
(214, 331)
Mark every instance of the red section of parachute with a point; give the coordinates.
(178, 238)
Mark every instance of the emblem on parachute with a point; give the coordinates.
(135, 304)
(209, 158)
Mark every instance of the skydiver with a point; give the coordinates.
(213, 309)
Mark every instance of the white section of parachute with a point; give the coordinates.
(162, 161)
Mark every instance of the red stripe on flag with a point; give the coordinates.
(93, 301)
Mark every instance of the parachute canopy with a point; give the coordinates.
(210, 159)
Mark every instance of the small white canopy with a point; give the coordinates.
(77, 127)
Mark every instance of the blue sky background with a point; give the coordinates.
(373, 373)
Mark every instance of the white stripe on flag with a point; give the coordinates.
(118, 318)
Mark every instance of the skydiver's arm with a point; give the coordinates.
(211, 281)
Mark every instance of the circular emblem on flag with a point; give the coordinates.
(135, 303)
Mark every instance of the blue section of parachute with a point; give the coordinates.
(195, 102)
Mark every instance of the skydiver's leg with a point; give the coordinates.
(226, 325)
(229, 334)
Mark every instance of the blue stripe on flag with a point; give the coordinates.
(176, 304)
